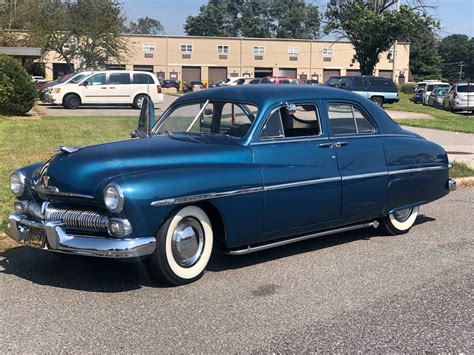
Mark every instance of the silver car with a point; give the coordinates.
(460, 98)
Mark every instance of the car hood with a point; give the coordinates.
(87, 170)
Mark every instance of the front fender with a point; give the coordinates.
(239, 198)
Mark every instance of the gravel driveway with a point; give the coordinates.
(358, 291)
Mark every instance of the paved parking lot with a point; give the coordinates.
(358, 291)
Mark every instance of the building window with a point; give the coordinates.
(327, 52)
(148, 47)
(223, 49)
(293, 51)
(186, 48)
(258, 50)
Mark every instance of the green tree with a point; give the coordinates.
(425, 60)
(85, 30)
(373, 26)
(455, 49)
(255, 18)
(17, 91)
(146, 25)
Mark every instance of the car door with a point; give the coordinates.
(300, 173)
(94, 89)
(360, 158)
(119, 88)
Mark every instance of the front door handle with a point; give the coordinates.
(340, 144)
(111, 87)
(326, 145)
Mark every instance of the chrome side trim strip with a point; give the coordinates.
(251, 249)
(416, 170)
(301, 183)
(206, 196)
(362, 176)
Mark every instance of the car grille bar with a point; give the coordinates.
(77, 219)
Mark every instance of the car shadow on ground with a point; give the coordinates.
(113, 276)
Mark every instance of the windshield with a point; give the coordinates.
(77, 78)
(210, 118)
(64, 78)
(442, 92)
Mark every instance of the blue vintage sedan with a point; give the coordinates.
(238, 169)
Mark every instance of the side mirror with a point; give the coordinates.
(146, 120)
(85, 83)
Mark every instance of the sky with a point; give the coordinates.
(456, 16)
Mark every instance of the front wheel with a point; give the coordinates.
(400, 222)
(71, 101)
(184, 247)
(377, 100)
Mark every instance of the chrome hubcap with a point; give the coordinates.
(402, 215)
(140, 102)
(188, 242)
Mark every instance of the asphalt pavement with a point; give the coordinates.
(357, 291)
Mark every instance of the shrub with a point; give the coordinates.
(407, 88)
(17, 91)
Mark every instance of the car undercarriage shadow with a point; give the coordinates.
(113, 276)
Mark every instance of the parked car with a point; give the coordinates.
(255, 81)
(279, 80)
(193, 86)
(422, 84)
(437, 96)
(429, 89)
(168, 84)
(234, 80)
(216, 84)
(380, 90)
(111, 87)
(418, 96)
(237, 169)
(311, 82)
(73, 78)
(460, 98)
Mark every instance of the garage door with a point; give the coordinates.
(353, 72)
(385, 73)
(191, 73)
(263, 72)
(289, 72)
(219, 73)
(327, 73)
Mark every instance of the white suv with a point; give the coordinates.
(111, 87)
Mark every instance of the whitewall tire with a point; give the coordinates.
(184, 246)
(401, 221)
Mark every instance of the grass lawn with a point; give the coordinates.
(23, 142)
(444, 120)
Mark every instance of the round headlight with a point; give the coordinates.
(113, 198)
(17, 184)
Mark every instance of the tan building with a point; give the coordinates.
(213, 58)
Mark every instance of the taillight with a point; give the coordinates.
(158, 89)
(455, 95)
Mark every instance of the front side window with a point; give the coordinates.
(119, 78)
(97, 79)
(186, 48)
(209, 118)
(304, 122)
(348, 119)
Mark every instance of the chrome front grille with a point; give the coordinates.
(73, 219)
(77, 219)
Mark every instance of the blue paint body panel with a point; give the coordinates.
(295, 185)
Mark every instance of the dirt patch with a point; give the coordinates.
(6, 242)
(409, 115)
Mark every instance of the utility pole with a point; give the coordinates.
(461, 64)
(394, 67)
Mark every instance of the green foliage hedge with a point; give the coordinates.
(17, 91)
(407, 88)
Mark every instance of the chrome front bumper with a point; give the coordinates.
(19, 225)
(452, 185)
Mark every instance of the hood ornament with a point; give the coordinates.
(67, 149)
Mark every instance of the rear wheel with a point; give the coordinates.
(138, 101)
(377, 100)
(400, 222)
(184, 246)
(71, 101)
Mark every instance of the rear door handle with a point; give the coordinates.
(111, 87)
(340, 144)
(103, 87)
(326, 145)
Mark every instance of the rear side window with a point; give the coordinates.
(465, 88)
(144, 79)
(119, 78)
(381, 85)
(358, 84)
(348, 119)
